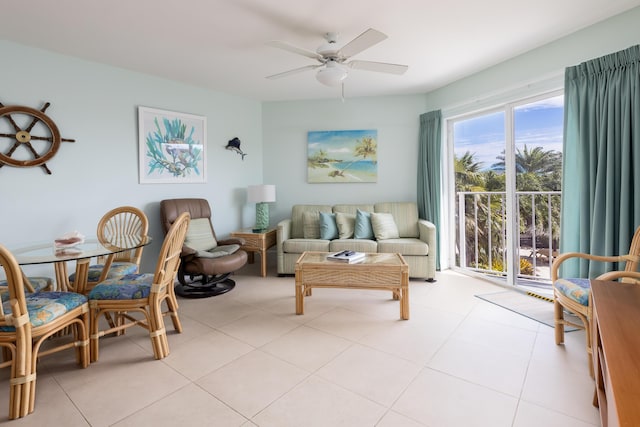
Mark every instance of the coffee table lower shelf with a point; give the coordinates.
(385, 272)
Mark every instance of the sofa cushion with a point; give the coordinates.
(363, 229)
(384, 226)
(328, 226)
(404, 246)
(311, 221)
(358, 245)
(405, 215)
(297, 246)
(346, 223)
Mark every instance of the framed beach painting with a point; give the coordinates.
(172, 147)
(339, 156)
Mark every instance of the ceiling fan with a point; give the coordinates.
(334, 61)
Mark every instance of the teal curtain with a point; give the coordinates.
(601, 159)
(429, 172)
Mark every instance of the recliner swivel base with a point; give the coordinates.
(207, 287)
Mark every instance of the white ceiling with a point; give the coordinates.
(220, 44)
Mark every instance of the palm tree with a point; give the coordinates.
(318, 160)
(537, 170)
(366, 148)
(469, 177)
(468, 173)
(536, 161)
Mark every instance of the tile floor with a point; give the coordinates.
(245, 359)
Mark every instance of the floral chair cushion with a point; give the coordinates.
(45, 307)
(38, 283)
(117, 269)
(576, 289)
(130, 286)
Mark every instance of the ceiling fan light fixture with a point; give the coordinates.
(332, 75)
(331, 58)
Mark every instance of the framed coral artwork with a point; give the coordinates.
(172, 147)
(341, 156)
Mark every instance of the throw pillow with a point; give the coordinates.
(363, 228)
(200, 236)
(328, 226)
(346, 223)
(384, 226)
(310, 225)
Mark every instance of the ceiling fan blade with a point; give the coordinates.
(362, 42)
(380, 67)
(294, 71)
(295, 49)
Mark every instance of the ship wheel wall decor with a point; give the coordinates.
(30, 135)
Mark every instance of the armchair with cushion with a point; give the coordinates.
(574, 294)
(207, 262)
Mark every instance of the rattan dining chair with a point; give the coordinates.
(117, 224)
(141, 293)
(574, 294)
(26, 322)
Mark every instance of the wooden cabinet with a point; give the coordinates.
(616, 352)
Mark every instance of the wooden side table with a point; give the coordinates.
(257, 242)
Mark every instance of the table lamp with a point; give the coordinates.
(261, 195)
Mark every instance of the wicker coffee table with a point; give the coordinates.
(386, 272)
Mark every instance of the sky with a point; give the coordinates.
(537, 124)
(338, 144)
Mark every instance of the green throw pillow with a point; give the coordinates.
(328, 226)
(363, 229)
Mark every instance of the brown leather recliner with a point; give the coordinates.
(206, 261)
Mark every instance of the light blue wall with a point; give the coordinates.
(539, 69)
(285, 127)
(97, 106)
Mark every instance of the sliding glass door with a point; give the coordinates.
(506, 166)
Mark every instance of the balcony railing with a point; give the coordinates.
(481, 238)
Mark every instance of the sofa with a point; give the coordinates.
(381, 227)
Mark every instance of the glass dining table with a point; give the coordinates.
(82, 253)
